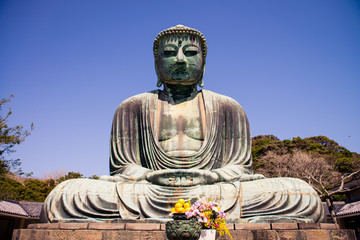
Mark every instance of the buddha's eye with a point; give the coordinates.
(169, 53)
(190, 50)
(190, 53)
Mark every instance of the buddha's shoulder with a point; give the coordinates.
(222, 99)
(141, 97)
(138, 99)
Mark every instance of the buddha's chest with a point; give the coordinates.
(181, 127)
(184, 118)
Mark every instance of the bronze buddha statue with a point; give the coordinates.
(181, 142)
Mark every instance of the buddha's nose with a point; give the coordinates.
(180, 57)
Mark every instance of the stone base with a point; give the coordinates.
(153, 231)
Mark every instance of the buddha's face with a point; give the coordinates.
(180, 60)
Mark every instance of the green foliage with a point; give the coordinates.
(9, 138)
(264, 143)
(299, 143)
(344, 164)
(11, 189)
(339, 197)
(94, 177)
(28, 189)
(316, 147)
(70, 175)
(261, 145)
(40, 188)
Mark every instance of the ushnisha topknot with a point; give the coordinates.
(177, 30)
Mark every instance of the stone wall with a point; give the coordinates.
(155, 231)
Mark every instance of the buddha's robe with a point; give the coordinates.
(226, 150)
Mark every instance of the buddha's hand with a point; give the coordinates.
(182, 177)
(250, 177)
(122, 178)
(241, 178)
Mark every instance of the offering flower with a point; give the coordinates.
(209, 213)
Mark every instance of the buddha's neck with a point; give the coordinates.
(180, 92)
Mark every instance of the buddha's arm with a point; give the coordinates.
(125, 159)
(233, 173)
(235, 157)
(128, 173)
(134, 172)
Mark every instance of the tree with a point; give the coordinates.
(19, 188)
(24, 189)
(94, 177)
(9, 138)
(301, 165)
(328, 194)
(315, 170)
(70, 175)
(341, 159)
(12, 189)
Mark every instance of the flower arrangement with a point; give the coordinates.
(208, 213)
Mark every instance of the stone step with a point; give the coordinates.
(161, 226)
(153, 231)
(308, 234)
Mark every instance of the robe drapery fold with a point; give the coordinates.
(226, 150)
(135, 148)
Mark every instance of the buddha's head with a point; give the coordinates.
(180, 54)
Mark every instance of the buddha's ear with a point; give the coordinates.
(201, 82)
(159, 82)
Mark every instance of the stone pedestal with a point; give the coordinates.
(156, 231)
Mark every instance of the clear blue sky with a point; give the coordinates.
(294, 66)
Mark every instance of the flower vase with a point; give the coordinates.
(182, 228)
(208, 234)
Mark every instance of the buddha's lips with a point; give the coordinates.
(178, 70)
(180, 73)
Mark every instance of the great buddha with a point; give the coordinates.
(181, 142)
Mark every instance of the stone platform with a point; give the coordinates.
(156, 231)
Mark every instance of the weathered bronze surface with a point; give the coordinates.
(181, 142)
(180, 229)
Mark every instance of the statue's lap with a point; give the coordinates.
(252, 201)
